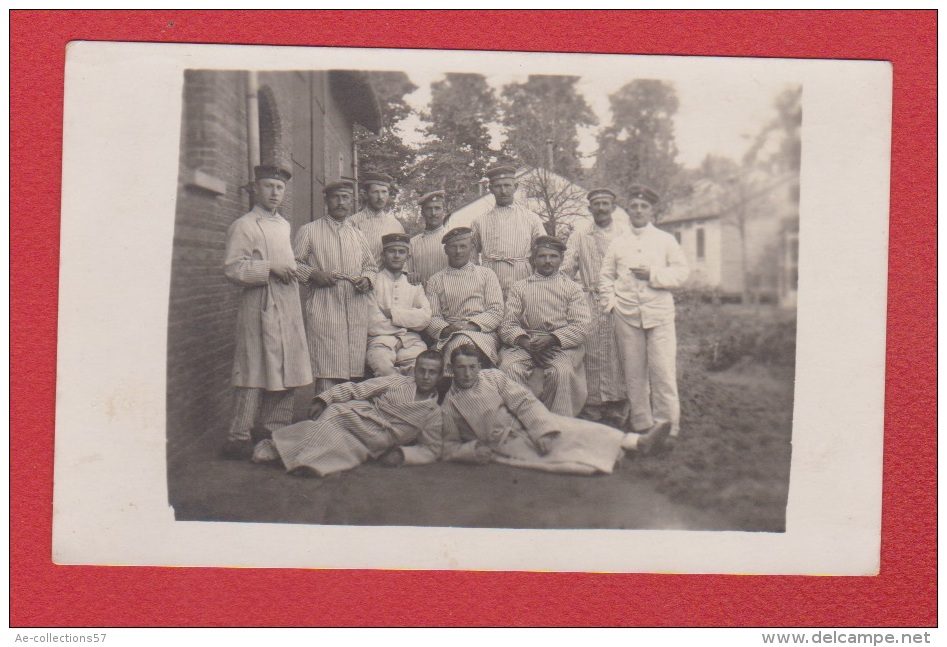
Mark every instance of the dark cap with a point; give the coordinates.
(598, 193)
(339, 185)
(370, 177)
(271, 172)
(433, 196)
(456, 232)
(643, 192)
(550, 242)
(388, 240)
(501, 172)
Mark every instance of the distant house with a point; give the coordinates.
(541, 191)
(707, 226)
(233, 120)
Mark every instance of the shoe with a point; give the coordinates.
(653, 441)
(265, 452)
(237, 450)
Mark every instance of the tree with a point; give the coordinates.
(639, 146)
(558, 202)
(778, 146)
(542, 116)
(457, 150)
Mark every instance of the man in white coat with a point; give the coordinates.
(271, 358)
(638, 271)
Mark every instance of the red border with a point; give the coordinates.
(43, 594)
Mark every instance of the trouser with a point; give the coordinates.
(389, 355)
(274, 409)
(649, 357)
(564, 390)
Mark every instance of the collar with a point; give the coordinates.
(640, 231)
(385, 270)
(536, 276)
(431, 232)
(335, 223)
(263, 213)
(466, 268)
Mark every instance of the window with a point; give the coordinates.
(700, 243)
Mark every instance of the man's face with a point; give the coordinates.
(339, 204)
(377, 196)
(547, 261)
(458, 251)
(427, 372)
(433, 214)
(602, 208)
(640, 212)
(504, 190)
(394, 257)
(466, 371)
(269, 193)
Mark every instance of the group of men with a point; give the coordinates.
(593, 316)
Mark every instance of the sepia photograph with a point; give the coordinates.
(410, 293)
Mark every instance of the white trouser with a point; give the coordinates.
(649, 357)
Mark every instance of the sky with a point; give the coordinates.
(719, 117)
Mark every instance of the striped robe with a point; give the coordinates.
(271, 348)
(363, 421)
(505, 235)
(337, 317)
(374, 226)
(606, 382)
(551, 304)
(470, 294)
(504, 415)
(427, 255)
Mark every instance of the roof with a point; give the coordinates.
(708, 200)
(354, 92)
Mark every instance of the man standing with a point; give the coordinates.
(606, 383)
(401, 311)
(638, 270)
(270, 358)
(334, 258)
(427, 250)
(373, 221)
(505, 234)
(546, 322)
(466, 301)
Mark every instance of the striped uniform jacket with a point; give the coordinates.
(550, 304)
(374, 226)
(271, 350)
(583, 262)
(470, 294)
(427, 255)
(363, 421)
(337, 317)
(506, 417)
(505, 235)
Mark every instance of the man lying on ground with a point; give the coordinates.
(352, 423)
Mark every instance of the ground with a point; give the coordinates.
(729, 471)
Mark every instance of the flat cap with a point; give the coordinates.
(643, 192)
(550, 242)
(339, 185)
(271, 172)
(370, 177)
(599, 193)
(433, 196)
(501, 172)
(390, 240)
(456, 232)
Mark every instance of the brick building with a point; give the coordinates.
(233, 120)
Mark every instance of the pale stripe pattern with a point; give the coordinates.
(272, 409)
(505, 235)
(374, 226)
(470, 294)
(427, 254)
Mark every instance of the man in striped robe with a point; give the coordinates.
(466, 301)
(427, 250)
(400, 313)
(334, 258)
(545, 325)
(505, 234)
(487, 417)
(271, 358)
(583, 261)
(352, 423)
(373, 221)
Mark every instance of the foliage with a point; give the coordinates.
(726, 341)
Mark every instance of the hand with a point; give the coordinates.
(482, 454)
(283, 271)
(316, 409)
(450, 329)
(641, 272)
(471, 327)
(362, 285)
(540, 342)
(393, 458)
(544, 442)
(322, 279)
